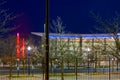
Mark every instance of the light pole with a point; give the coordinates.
(29, 48)
(109, 66)
(88, 58)
(112, 64)
(47, 42)
(18, 66)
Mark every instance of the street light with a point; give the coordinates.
(88, 58)
(29, 48)
(18, 66)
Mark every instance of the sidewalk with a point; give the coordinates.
(81, 76)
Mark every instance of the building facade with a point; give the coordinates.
(95, 48)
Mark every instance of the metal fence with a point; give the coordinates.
(88, 71)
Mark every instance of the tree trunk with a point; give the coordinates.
(95, 65)
(117, 64)
(76, 67)
(10, 72)
(51, 66)
(62, 69)
(68, 64)
(43, 69)
(23, 66)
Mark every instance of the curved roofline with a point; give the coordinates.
(86, 36)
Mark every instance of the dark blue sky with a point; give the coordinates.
(75, 14)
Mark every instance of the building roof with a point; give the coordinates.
(84, 36)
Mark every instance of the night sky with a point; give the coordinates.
(75, 14)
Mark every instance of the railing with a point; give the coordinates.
(80, 72)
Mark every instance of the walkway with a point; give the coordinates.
(81, 76)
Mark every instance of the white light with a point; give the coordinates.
(29, 48)
(88, 49)
(112, 59)
(18, 59)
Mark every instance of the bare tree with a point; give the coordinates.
(111, 27)
(6, 18)
(7, 52)
(59, 29)
(7, 45)
(38, 52)
(75, 49)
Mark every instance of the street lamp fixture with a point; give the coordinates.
(29, 48)
(88, 49)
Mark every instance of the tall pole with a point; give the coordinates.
(109, 67)
(18, 67)
(47, 42)
(29, 48)
(28, 62)
(88, 62)
(88, 59)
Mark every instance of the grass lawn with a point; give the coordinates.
(100, 73)
(21, 76)
(59, 74)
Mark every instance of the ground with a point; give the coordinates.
(81, 76)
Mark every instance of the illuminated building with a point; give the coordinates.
(100, 44)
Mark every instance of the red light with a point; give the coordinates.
(23, 48)
(17, 34)
(18, 46)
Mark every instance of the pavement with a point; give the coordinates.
(81, 76)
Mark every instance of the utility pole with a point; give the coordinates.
(47, 42)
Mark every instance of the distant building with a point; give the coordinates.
(100, 46)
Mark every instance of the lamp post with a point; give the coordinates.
(18, 66)
(29, 48)
(47, 42)
(88, 58)
(109, 67)
(112, 64)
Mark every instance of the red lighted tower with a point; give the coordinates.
(18, 46)
(23, 48)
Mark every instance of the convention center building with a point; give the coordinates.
(86, 46)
